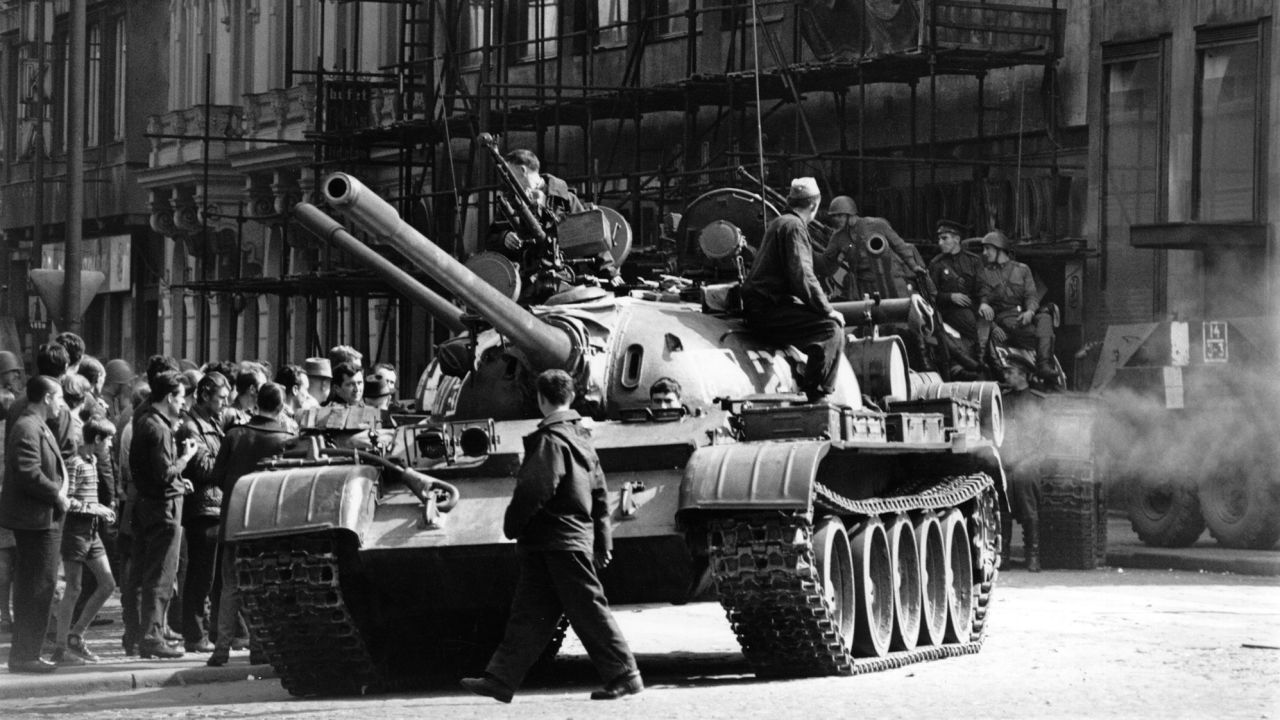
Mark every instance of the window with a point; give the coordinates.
(613, 16)
(1228, 127)
(669, 17)
(93, 87)
(118, 85)
(537, 27)
(476, 22)
(1135, 131)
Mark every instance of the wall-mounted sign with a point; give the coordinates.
(1215, 342)
(109, 255)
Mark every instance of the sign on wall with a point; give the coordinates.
(109, 255)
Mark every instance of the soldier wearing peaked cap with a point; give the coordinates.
(955, 272)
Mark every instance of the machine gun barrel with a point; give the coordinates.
(545, 345)
(520, 212)
(326, 228)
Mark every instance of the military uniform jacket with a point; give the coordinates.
(34, 476)
(1007, 287)
(560, 501)
(783, 269)
(956, 273)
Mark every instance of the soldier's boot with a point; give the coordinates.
(1046, 368)
(1006, 538)
(1031, 538)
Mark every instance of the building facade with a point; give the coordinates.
(1064, 123)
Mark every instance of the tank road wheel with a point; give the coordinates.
(1164, 513)
(933, 579)
(955, 534)
(835, 570)
(1242, 509)
(906, 584)
(873, 575)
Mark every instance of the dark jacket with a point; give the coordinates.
(60, 424)
(956, 273)
(206, 499)
(783, 270)
(33, 476)
(152, 456)
(242, 448)
(560, 501)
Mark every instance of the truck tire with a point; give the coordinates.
(1242, 509)
(1164, 513)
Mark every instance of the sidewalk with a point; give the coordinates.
(116, 672)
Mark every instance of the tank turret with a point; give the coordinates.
(325, 227)
(544, 345)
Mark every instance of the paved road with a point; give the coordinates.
(1110, 643)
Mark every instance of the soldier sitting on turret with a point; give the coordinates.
(1008, 299)
(782, 299)
(552, 200)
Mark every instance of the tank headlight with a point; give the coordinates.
(474, 441)
(434, 444)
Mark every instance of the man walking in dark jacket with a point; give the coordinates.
(559, 516)
(263, 436)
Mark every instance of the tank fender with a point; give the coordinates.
(752, 476)
(272, 503)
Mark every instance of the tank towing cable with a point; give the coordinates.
(437, 496)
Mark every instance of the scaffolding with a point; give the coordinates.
(746, 64)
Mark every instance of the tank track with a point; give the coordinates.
(294, 605)
(765, 574)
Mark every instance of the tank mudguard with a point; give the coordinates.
(752, 476)
(290, 501)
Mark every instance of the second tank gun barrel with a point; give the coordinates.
(545, 345)
(313, 219)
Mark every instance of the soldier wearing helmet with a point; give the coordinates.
(12, 380)
(1009, 300)
(892, 274)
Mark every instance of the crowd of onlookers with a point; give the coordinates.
(113, 478)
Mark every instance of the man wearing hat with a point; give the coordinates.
(783, 299)
(1008, 298)
(955, 273)
(319, 378)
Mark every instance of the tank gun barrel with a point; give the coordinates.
(312, 218)
(545, 345)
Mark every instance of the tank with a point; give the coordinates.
(839, 537)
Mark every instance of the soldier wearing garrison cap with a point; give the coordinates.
(955, 273)
(783, 299)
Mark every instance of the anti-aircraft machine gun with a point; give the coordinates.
(839, 538)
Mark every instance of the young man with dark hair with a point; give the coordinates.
(82, 546)
(75, 349)
(664, 393)
(202, 509)
(263, 436)
(348, 385)
(559, 517)
(156, 469)
(33, 502)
